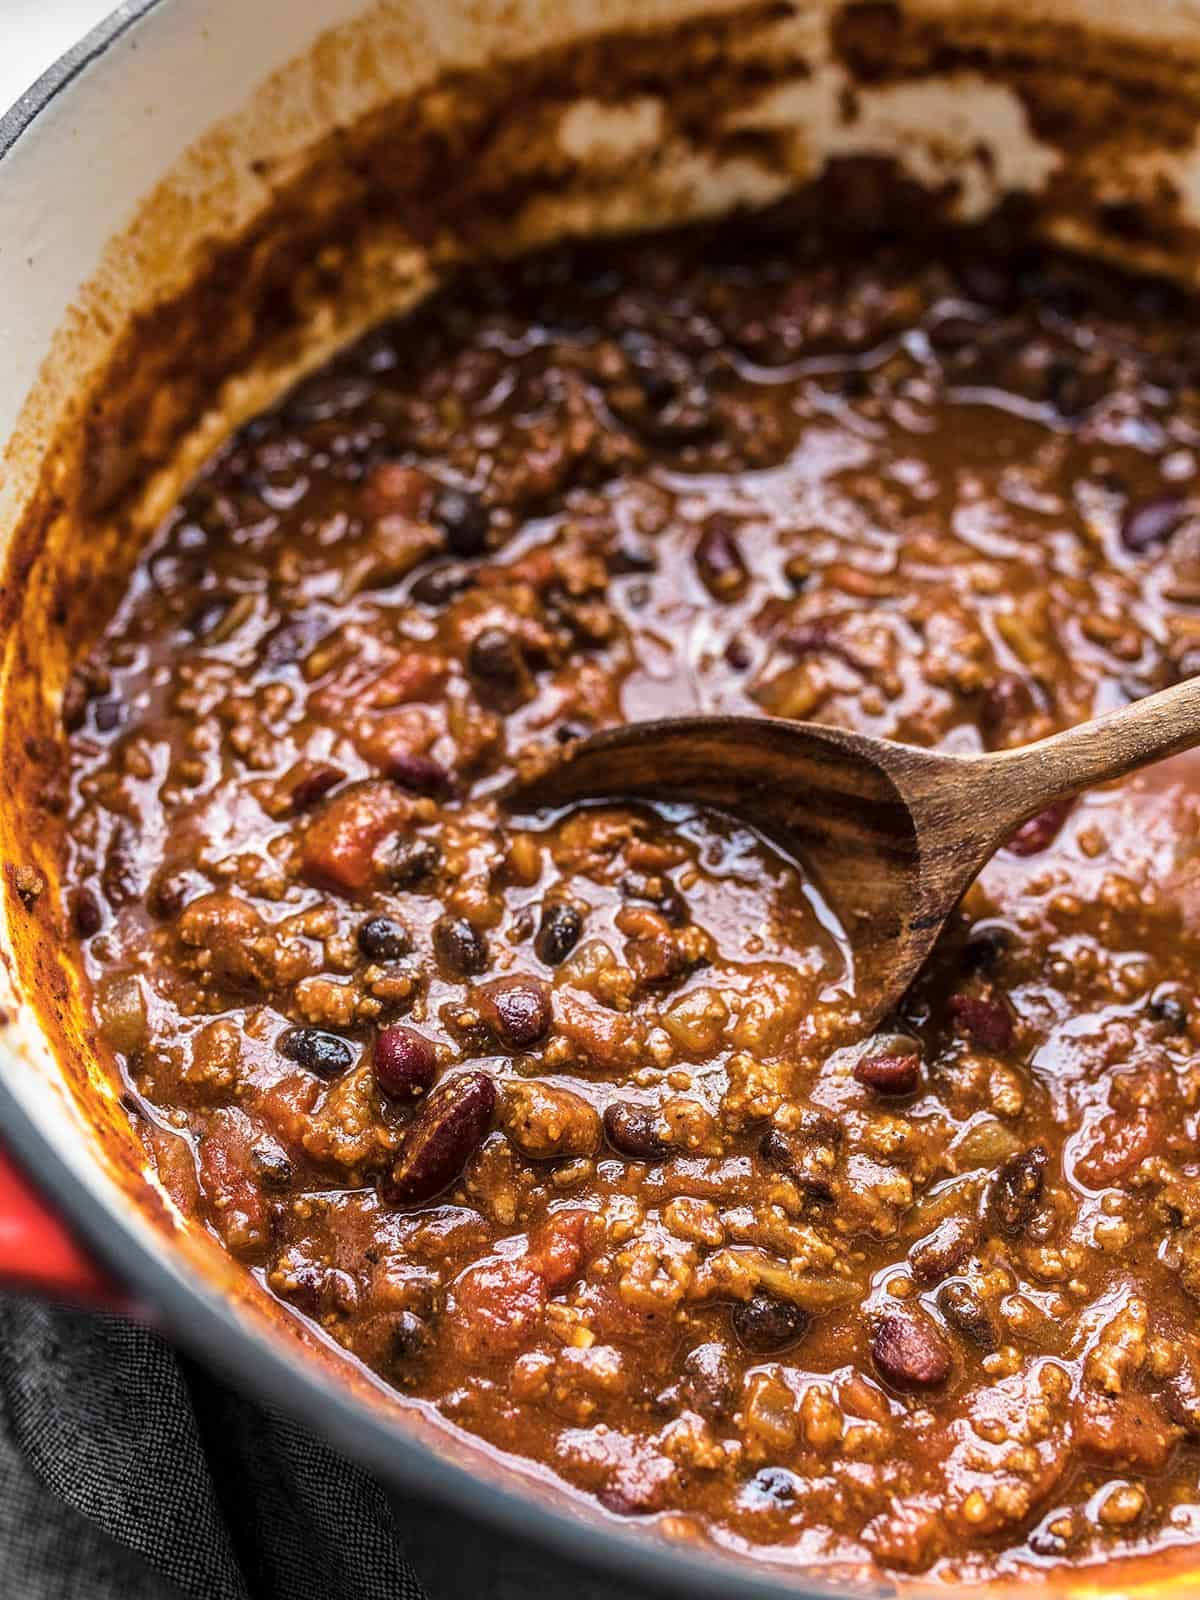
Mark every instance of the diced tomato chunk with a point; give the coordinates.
(1119, 1143)
(556, 1250)
(340, 843)
(497, 1305)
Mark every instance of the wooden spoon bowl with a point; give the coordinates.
(893, 835)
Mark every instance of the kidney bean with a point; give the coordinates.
(889, 1074)
(966, 1312)
(1147, 523)
(1015, 1192)
(460, 948)
(985, 1019)
(441, 1138)
(322, 1053)
(383, 939)
(558, 932)
(1041, 831)
(441, 584)
(951, 332)
(719, 559)
(943, 1251)
(464, 519)
(419, 774)
(633, 1131)
(405, 1062)
(411, 861)
(516, 1009)
(1181, 1401)
(310, 781)
(908, 1351)
(763, 1323)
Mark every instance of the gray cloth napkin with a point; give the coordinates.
(127, 1473)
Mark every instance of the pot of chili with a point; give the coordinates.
(361, 439)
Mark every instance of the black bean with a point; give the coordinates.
(798, 572)
(459, 947)
(464, 519)
(1148, 523)
(322, 1053)
(108, 715)
(985, 949)
(707, 1379)
(411, 1336)
(1170, 1010)
(633, 1131)
(85, 912)
(772, 1488)
(271, 1165)
(908, 1351)
(121, 877)
(966, 1312)
(383, 939)
(209, 615)
(628, 558)
(292, 640)
(169, 891)
(719, 559)
(1016, 1190)
(558, 933)
(439, 1141)
(405, 1062)
(943, 1251)
(659, 891)
(411, 861)
(498, 667)
(763, 1323)
(441, 584)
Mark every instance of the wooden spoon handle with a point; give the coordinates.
(1108, 747)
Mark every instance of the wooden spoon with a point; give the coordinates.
(893, 835)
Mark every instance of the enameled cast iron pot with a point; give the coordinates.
(200, 202)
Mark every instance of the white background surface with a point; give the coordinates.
(34, 32)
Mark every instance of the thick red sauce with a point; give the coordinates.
(554, 1124)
